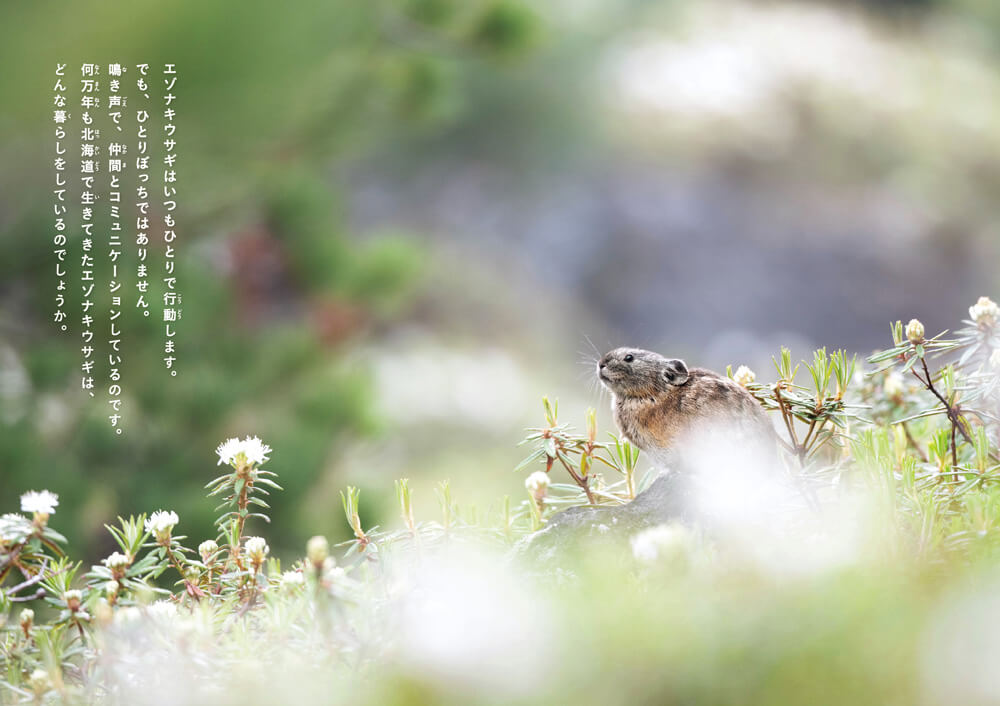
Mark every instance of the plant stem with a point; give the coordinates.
(952, 411)
(786, 416)
(913, 442)
(241, 505)
(582, 482)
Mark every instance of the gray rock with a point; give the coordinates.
(665, 500)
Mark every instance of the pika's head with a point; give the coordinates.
(633, 372)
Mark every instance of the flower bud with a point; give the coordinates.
(111, 587)
(73, 599)
(317, 550)
(161, 523)
(985, 312)
(207, 550)
(39, 682)
(291, 579)
(117, 563)
(915, 331)
(27, 618)
(537, 484)
(744, 375)
(256, 549)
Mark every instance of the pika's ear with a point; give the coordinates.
(675, 372)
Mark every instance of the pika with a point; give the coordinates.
(667, 410)
(660, 404)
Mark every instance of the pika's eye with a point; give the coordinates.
(629, 358)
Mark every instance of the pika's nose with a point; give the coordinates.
(603, 363)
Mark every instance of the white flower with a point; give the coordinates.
(41, 502)
(893, 385)
(116, 561)
(537, 483)
(26, 618)
(985, 312)
(744, 375)
(207, 548)
(915, 331)
(14, 528)
(227, 450)
(40, 682)
(317, 549)
(127, 614)
(256, 450)
(334, 574)
(253, 449)
(160, 523)
(111, 587)
(661, 542)
(290, 579)
(162, 610)
(73, 599)
(256, 548)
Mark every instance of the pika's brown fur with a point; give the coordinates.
(659, 402)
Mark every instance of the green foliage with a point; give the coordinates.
(505, 28)
(273, 281)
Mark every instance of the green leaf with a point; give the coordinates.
(530, 460)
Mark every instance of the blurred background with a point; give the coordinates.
(404, 221)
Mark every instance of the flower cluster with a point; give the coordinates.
(41, 504)
(13, 528)
(161, 523)
(249, 451)
(256, 549)
(117, 563)
(207, 550)
(744, 375)
(985, 312)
